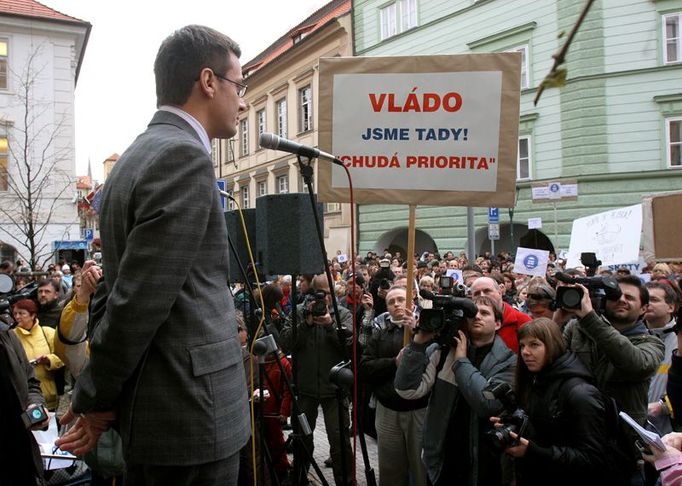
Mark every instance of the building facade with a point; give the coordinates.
(41, 51)
(615, 127)
(282, 98)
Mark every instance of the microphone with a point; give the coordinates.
(274, 142)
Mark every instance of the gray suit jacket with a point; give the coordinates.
(165, 351)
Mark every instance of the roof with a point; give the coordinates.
(83, 182)
(320, 18)
(31, 8)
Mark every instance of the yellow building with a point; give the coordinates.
(282, 99)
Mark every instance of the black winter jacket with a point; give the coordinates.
(568, 434)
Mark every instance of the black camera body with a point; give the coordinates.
(319, 303)
(513, 418)
(447, 317)
(599, 288)
(9, 295)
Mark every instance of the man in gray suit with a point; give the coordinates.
(165, 356)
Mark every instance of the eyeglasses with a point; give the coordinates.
(242, 87)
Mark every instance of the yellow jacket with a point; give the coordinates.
(37, 342)
(73, 325)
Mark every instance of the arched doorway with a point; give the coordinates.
(537, 240)
(396, 240)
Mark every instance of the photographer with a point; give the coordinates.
(381, 282)
(617, 348)
(399, 421)
(318, 349)
(456, 449)
(567, 436)
(20, 461)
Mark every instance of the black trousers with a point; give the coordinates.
(219, 473)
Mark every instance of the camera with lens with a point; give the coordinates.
(600, 288)
(316, 303)
(449, 286)
(447, 316)
(513, 418)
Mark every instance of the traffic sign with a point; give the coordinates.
(493, 231)
(493, 215)
(221, 187)
(88, 234)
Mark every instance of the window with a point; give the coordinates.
(282, 118)
(306, 114)
(283, 184)
(397, 17)
(332, 207)
(408, 14)
(672, 40)
(303, 187)
(230, 202)
(245, 197)
(525, 78)
(4, 64)
(260, 116)
(244, 136)
(387, 19)
(523, 165)
(230, 150)
(215, 151)
(674, 142)
(4, 174)
(262, 188)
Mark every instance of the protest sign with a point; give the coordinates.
(613, 235)
(530, 261)
(437, 130)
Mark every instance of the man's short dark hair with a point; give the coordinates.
(48, 281)
(669, 294)
(183, 55)
(472, 267)
(635, 282)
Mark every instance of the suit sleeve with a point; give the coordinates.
(169, 211)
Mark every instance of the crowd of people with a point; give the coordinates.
(503, 386)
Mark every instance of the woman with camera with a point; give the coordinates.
(571, 429)
(38, 343)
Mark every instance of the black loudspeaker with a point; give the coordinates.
(286, 236)
(236, 234)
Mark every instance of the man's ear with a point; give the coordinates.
(206, 82)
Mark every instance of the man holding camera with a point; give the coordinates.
(317, 349)
(399, 421)
(617, 347)
(456, 450)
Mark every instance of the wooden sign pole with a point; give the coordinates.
(410, 269)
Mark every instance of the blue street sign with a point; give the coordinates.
(89, 234)
(221, 186)
(493, 215)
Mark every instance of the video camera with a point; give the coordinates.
(8, 295)
(319, 303)
(447, 316)
(449, 286)
(600, 288)
(513, 418)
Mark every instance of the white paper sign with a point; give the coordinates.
(530, 261)
(342, 258)
(431, 131)
(455, 273)
(613, 235)
(534, 223)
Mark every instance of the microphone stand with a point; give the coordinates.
(307, 173)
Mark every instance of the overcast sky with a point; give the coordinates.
(115, 95)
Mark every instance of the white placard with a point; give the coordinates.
(342, 258)
(455, 273)
(530, 261)
(534, 223)
(613, 235)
